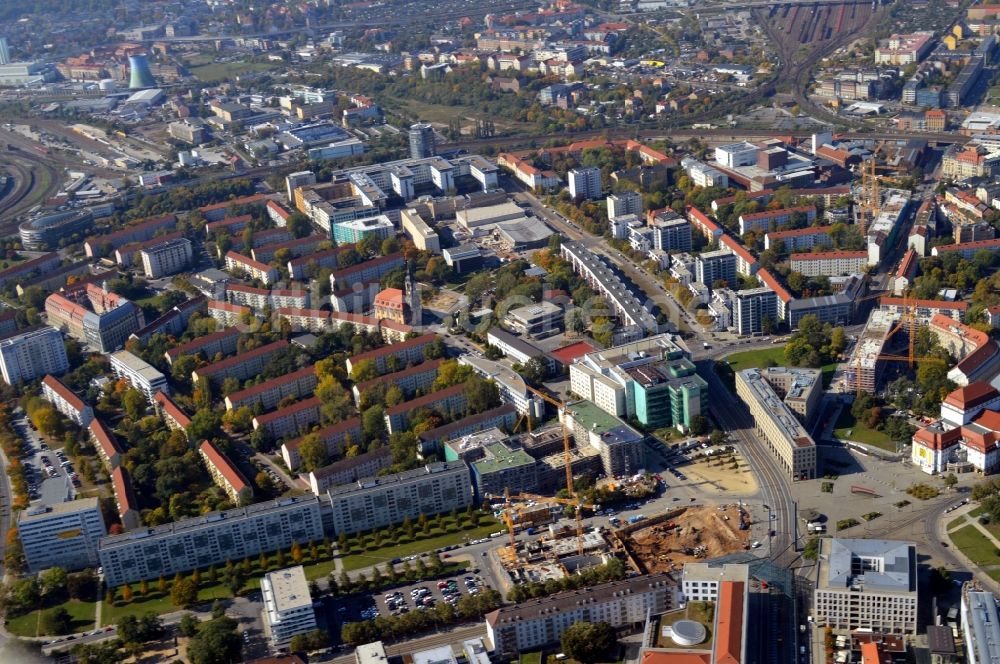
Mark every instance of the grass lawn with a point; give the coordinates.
(861, 433)
(974, 544)
(755, 359)
(530, 658)
(994, 574)
(154, 602)
(955, 522)
(976, 512)
(386, 553)
(83, 614)
(218, 71)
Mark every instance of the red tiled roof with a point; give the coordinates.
(664, 657)
(222, 463)
(124, 494)
(750, 196)
(278, 209)
(364, 265)
(249, 262)
(395, 325)
(172, 410)
(768, 214)
(29, 265)
(799, 232)
(729, 623)
(698, 217)
(227, 306)
(105, 439)
(907, 266)
(978, 244)
(394, 348)
(243, 219)
(198, 343)
(128, 230)
(828, 255)
(246, 200)
(772, 282)
(69, 395)
(971, 395)
(737, 248)
(938, 440)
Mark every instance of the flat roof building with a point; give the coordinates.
(139, 373)
(980, 625)
(288, 605)
(866, 584)
(377, 502)
(63, 535)
(788, 439)
(32, 352)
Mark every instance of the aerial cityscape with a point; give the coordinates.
(500, 331)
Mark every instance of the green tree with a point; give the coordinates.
(188, 625)
(588, 642)
(56, 621)
(134, 404)
(312, 450)
(184, 593)
(215, 643)
(298, 224)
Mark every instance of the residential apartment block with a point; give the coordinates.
(166, 258)
(173, 415)
(210, 539)
(32, 352)
(227, 314)
(365, 272)
(396, 355)
(536, 623)
(450, 401)
(799, 239)
(336, 437)
(125, 500)
(290, 419)
(713, 266)
(241, 367)
(67, 402)
(752, 307)
(140, 374)
(830, 263)
(269, 393)
(252, 268)
(411, 380)
(102, 245)
(108, 448)
(377, 502)
(63, 535)
(225, 474)
(619, 445)
(771, 220)
(223, 342)
(348, 470)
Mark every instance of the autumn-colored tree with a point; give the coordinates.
(143, 588)
(296, 553)
(161, 585)
(127, 593)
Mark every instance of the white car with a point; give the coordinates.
(755, 545)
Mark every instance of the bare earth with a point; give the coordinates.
(702, 528)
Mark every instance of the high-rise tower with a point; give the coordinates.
(422, 143)
(411, 296)
(4, 52)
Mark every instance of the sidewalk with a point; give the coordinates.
(941, 529)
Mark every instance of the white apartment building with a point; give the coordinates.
(703, 175)
(269, 393)
(227, 314)
(752, 307)
(377, 502)
(260, 298)
(536, 623)
(139, 373)
(830, 263)
(67, 402)
(210, 539)
(700, 581)
(290, 419)
(624, 203)
(31, 353)
(584, 183)
(866, 584)
(254, 269)
(288, 606)
(62, 535)
(713, 266)
(423, 236)
(167, 258)
(788, 439)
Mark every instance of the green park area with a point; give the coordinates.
(220, 71)
(441, 533)
(41, 622)
(848, 428)
(979, 549)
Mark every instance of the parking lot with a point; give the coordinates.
(51, 476)
(427, 595)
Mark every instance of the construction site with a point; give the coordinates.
(666, 542)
